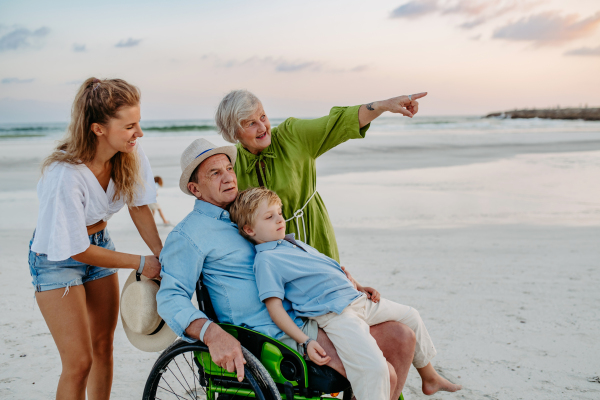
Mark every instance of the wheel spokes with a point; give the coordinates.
(180, 380)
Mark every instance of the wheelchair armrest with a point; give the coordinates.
(286, 364)
(283, 363)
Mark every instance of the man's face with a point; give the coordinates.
(269, 224)
(217, 183)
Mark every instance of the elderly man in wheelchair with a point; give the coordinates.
(219, 354)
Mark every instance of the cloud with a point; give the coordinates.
(468, 7)
(278, 64)
(415, 9)
(131, 42)
(359, 68)
(22, 38)
(548, 28)
(476, 12)
(7, 81)
(79, 48)
(285, 66)
(474, 23)
(584, 51)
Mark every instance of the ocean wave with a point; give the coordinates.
(27, 129)
(19, 136)
(180, 128)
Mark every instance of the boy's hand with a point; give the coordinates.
(371, 294)
(317, 354)
(350, 278)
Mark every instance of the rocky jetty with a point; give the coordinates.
(586, 114)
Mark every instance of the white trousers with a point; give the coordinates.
(366, 367)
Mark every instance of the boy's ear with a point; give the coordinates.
(249, 231)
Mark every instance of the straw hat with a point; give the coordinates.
(195, 153)
(144, 328)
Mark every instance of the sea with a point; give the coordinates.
(449, 130)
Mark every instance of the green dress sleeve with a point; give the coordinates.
(317, 136)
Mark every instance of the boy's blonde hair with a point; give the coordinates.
(243, 209)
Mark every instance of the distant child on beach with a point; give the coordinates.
(158, 182)
(319, 290)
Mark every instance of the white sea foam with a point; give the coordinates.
(465, 125)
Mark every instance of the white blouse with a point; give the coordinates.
(71, 199)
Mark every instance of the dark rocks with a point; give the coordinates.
(586, 114)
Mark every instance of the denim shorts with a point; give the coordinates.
(50, 275)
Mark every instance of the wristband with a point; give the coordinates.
(141, 267)
(305, 348)
(203, 330)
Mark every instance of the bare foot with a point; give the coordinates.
(433, 382)
(438, 383)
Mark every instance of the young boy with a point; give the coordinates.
(319, 290)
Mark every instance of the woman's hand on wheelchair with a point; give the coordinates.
(317, 354)
(151, 267)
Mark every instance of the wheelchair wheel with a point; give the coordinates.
(185, 371)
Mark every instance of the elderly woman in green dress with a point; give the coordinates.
(283, 158)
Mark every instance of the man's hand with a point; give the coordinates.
(354, 283)
(317, 354)
(371, 293)
(225, 350)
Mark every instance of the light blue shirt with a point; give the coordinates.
(207, 242)
(314, 283)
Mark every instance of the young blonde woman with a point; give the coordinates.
(97, 169)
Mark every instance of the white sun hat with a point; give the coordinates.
(144, 328)
(195, 153)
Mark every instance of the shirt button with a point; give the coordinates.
(294, 246)
(279, 242)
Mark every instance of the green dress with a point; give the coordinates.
(289, 169)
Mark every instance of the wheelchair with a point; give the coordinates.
(273, 370)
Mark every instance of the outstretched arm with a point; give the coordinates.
(285, 323)
(405, 105)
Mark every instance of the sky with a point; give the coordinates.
(300, 58)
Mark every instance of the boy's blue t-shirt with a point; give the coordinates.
(314, 283)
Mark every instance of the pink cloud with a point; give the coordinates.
(477, 12)
(584, 51)
(548, 28)
(415, 8)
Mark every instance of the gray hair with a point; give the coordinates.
(237, 106)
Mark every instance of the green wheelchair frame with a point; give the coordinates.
(272, 368)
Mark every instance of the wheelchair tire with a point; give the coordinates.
(177, 374)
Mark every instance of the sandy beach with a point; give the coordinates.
(495, 244)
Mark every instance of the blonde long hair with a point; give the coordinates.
(97, 101)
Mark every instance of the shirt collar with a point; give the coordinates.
(266, 153)
(290, 238)
(266, 246)
(211, 210)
